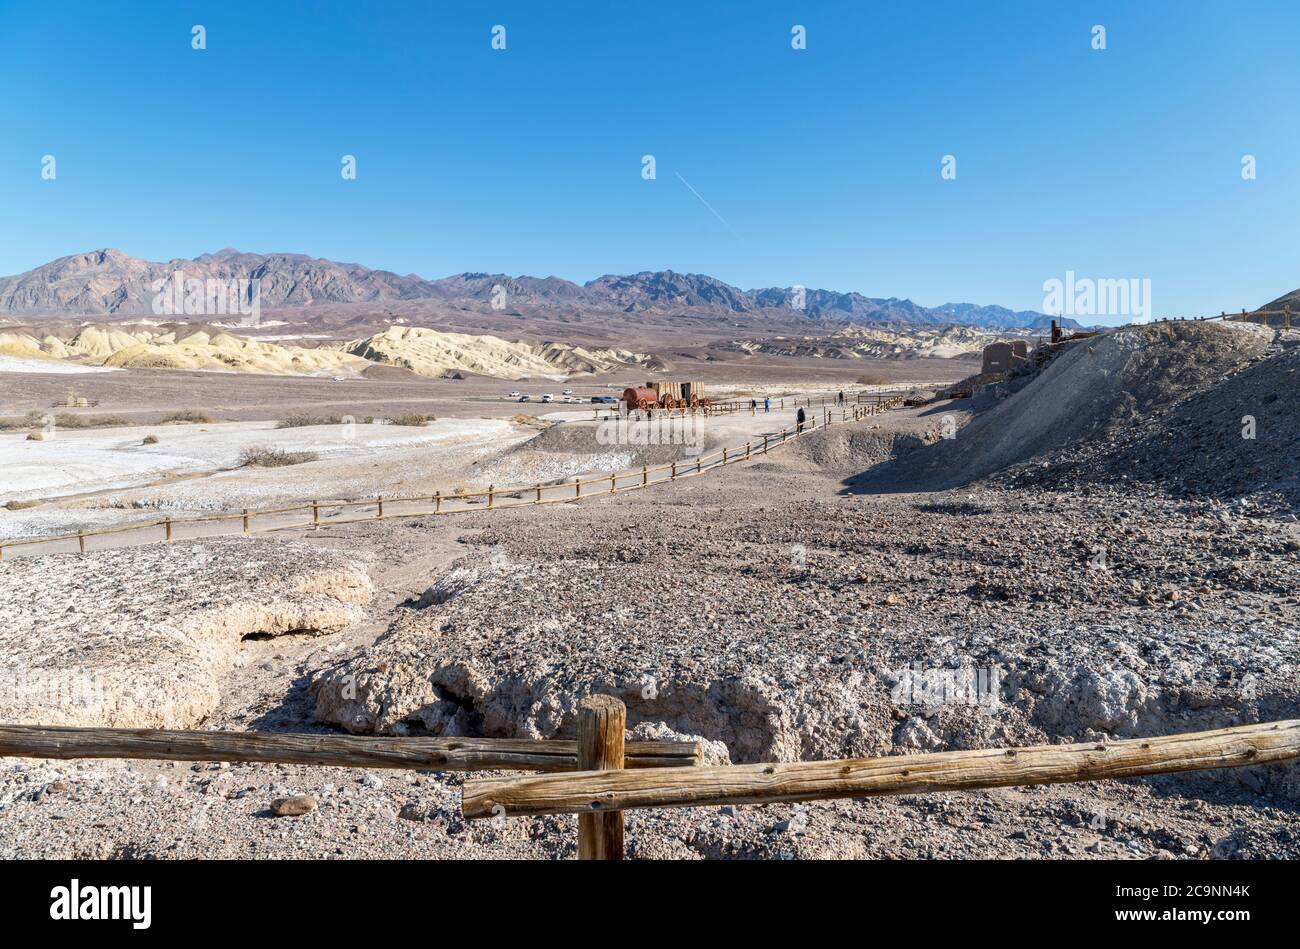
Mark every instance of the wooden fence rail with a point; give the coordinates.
(349, 751)
(668, 774)
(493, 498)
(587, 792)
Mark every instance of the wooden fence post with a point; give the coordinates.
(81, 540)
(167, 525)
(613, 483)
(645, 475)
(601, 721)
(491, 495)
(315, 515)
(674, 474)
(381, 507)
(245, 520)
(539, 495)
(437, 502)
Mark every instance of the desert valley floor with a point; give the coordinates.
(1098, 540)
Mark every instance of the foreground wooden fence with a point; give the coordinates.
(314, 514)
(601, 775)
(345, 751)
(610, 791)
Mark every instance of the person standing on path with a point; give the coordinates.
(799, 421)
(767, 404)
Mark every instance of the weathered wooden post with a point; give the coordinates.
(81, 540)
(381, 507)
(765, 444)
(315, 515)
(674, 474)
(724, 456)
(245, 520)
(492, 489)
(613, 483)
(601, 721)
(747, 451)
(167, 526)
(539, 495)
(437, 502)
(645, 475)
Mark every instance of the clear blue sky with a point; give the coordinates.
(824, 163)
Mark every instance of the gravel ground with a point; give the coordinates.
(826, 630)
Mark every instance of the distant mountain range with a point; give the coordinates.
(109, 282)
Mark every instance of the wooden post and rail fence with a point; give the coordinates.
(599, 775)
(383, 507)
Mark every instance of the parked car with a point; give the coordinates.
(514, 395)
(548, 397)
(568, 392)
(604, 400)
(524, 398)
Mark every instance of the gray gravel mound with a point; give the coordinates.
(1237, 440)
(1096, 387)
(793, 628)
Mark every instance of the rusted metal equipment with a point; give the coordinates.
(665, 395)
(641, 397)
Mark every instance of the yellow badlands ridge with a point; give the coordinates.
(424, 351)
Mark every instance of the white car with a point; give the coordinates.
(568, 392)
(514, 395)
(548, 397)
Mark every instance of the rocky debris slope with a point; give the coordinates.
(1238, 440)
(1099, 386)
(792, 627)
(140, 636)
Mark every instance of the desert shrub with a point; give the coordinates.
(264, 456)
(35, 437)
(304, 419)
(410, 418)
(187, 415)
(150, 440)
(67, 420)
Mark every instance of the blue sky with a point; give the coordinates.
(824, 163)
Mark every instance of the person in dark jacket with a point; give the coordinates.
(800, 420)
